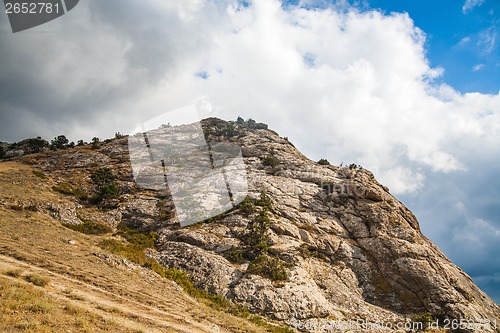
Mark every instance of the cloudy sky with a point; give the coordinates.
(409, 89)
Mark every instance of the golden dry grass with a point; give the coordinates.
(84, 290)
(28, 309)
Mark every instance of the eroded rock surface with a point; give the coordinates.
(349, 248)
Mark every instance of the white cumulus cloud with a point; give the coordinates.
(471, 4)
(478, 67)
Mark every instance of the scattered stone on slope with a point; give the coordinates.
(350, 249)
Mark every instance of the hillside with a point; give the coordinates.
(86, 289)
(310, 243)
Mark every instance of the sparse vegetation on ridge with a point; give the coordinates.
(61, 142)
(323, 161)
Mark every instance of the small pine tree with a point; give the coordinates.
(257, 236)
(60, 142)
(95, 142)
(105, 182)
(240, 121)
(247, 207)
(264, 200)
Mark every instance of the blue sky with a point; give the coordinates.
(414, 97)
(463, 40)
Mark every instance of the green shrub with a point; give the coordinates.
(222, 303)
(257, 320)
(264, 201)
(279, 329)
(89, 228)
(178, 276)
(153, 265)
(271, 161)
(40, 174)
(247, 207)
(59, 142)
(96, 143)
(137, 238)
(67, 189)
(129, 251)
(105, 182)
(234, 255)
(353, 166)
(238, 310)
(80, 194)
(37, 144)
(64, 188)
(183, 280)
(426, 319)
(37, 280)
(309, 251)
(269, 267)
(323, 161)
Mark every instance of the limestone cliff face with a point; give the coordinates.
(310, 242)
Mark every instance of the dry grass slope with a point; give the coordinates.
(55, 279)
(26, 308)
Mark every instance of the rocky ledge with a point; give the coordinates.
(311, 243)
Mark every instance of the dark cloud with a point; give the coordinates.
(95, 59)
(460, 212)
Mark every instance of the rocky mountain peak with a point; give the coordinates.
(309, 242)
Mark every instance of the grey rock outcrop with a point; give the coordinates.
(350, 250)
(367, 256)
